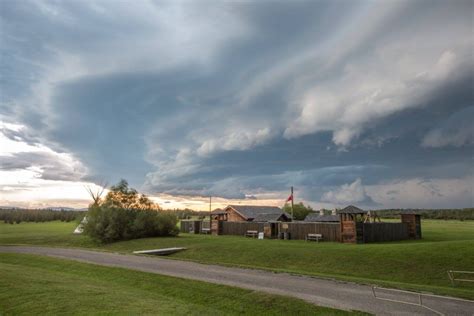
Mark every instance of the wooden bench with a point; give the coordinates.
(205, 230)
(314, 237)
(251, 233)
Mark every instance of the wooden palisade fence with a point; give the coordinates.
(351, 231)
(380, 232)
(299, 230)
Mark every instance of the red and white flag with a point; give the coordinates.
(290, 198)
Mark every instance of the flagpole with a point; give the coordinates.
(292, 198)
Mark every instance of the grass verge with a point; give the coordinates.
(36, 285)
(417, 265)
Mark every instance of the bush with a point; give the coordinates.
(108, 224)
(125, 214)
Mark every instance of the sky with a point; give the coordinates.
(368, 103)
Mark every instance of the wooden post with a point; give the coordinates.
(210, 214)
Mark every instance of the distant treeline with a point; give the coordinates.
(459, 214)
(17, 216)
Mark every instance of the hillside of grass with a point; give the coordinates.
(417, 264)
(35, 285)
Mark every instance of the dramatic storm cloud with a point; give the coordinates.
(361, 102)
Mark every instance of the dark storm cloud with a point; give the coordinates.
(241, 99)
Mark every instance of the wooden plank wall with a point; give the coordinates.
(418, 227)
(240, 228)
(330, 231)
(298, 230)
(186, 225)
(372, 232)
(380, 232)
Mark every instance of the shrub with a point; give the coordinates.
(125, 214)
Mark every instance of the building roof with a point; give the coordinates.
(351, 209)
(218, 211)
(251, 211)
(321, 218)
(269, 217)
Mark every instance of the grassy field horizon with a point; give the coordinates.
(416, 265)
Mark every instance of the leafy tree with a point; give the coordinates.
(300, 211)
(126, 214)
(121, 196)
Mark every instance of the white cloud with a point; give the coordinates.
(235, 140)
(371, 89)
(421, 193)
(351, 193)
(18, 152)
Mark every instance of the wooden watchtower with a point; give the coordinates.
(352, 224)
(413, 222)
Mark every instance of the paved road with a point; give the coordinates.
(330, 293)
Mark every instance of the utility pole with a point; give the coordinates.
(292, 199)
(210, 214)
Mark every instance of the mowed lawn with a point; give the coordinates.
(417, 265)
(36, 285)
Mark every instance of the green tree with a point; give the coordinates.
(300, 211)
(126, 214)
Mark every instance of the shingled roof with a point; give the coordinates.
(271, 217)
(321, 218)
(351, 209)
(218, 211)
(251, 211)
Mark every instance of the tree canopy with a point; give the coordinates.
(300, 211)
(122, 196)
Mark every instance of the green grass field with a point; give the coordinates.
(35, 285)
(417, 265)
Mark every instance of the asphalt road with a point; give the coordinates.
(330, 293)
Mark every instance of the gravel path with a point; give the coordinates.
(330, 293)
